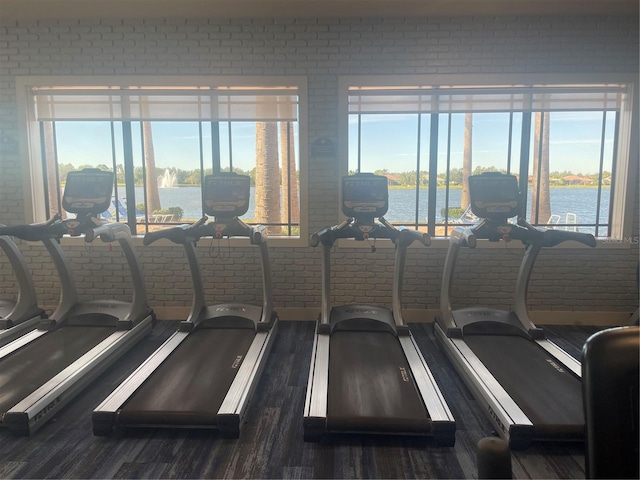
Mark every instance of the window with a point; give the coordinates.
(161, 140)
(562, 141)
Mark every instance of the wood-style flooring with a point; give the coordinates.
(271, 444)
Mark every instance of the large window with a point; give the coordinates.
(562, 141)
(161, 140)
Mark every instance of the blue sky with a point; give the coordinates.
(389, 141)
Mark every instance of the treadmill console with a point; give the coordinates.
(494, 196)
(365, 195)
(226, 195)
(88, 191)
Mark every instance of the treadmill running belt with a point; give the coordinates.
(549, 394)
(190, 385)
(371, 387)
(27, 369)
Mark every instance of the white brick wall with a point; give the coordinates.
(322, 50)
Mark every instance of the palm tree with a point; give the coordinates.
(50, 160)
(152, 194)
(267, 201)
(466, 159)
(289, 182)
(540, 194)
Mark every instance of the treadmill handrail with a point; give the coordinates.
(36, 232)
(181, 234)
(51, 231)
(551, 238)
(524, 232)
(231, 227)
(534, 240)
(406, 237)
(107, 232)
(352, 228)
(26, 304)
(188, 235)
(464, 236)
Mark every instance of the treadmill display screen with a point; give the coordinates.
(494, 195)
(88, 191)
(365, 195)
(226, 195)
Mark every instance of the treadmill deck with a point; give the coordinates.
(188, 388)
(371, 387)
(30, 367)
(548, 393)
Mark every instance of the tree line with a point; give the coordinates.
(183, 177)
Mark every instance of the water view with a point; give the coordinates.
(570, 204)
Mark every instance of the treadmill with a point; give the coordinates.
(367, 373)
(528, 386)
(204, 375)
(21, 315)
(41, 371)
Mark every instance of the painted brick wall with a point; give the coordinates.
(322, 50)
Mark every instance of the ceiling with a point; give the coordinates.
(50, 9)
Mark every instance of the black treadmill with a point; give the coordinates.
(44, 369)
(204, 375)
(367, 374)
(528, 386)
(21, 315)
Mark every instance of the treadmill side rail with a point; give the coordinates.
(563, 357)
(10, 334)
(235, 403)
(106, 414)
(443, 425)
(508, 419)
(17, 344)
(315, 408)
(36, 409)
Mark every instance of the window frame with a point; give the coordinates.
(29, 139)
(626, 170)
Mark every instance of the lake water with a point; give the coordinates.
(578, 201)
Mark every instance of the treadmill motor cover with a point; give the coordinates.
(365, 195)
(88, 191)
(494, 196)
(226, 195)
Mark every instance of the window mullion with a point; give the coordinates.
(359, 142)
(128, 175)
(43, 160)
(201, 144)
(601, 166)
(510, 142)
(418, 150)
(215, 147)
(525, 145)
(230, 148)
(114, 157)
(289, 203)
(614, 156)
(448, 177)
(131, 208)
(433, 172)
(538, 174)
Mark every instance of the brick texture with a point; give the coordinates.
(322, 50)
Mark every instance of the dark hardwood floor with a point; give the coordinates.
(271, 443)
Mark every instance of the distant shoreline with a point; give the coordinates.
(405, 187)
(458, 187)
